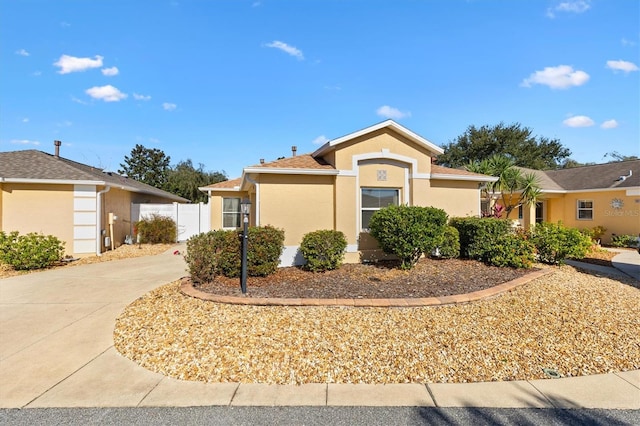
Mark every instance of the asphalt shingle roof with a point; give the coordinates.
(597, 176)
(37, 165)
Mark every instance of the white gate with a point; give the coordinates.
(191, 219)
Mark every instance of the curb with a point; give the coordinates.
(186, 287)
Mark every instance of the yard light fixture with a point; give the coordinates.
(245, 207)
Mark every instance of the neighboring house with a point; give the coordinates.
(48, 194)
(584, 197)
(342, 184)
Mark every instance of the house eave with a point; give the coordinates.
(53, 181)
(290, 171)
(441, 176)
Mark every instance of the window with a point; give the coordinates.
(374, 199)
(231, 212)
(585, 210)
(520, 212)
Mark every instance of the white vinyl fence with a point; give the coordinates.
(191, 219)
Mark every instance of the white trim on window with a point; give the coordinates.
(584, 209)
(229, 214)
(381, 204)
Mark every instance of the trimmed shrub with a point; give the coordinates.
(449, 245)
(31, 251)
(478, 236)
(624, 241)
(554, 242)
(156, 229)
(264, 247)
(408, 231)
(6, 243)
(323, 250)
(511, 250)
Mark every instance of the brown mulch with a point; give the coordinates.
(430, 278)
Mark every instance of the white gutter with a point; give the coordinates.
(99, 219)
(290, 171)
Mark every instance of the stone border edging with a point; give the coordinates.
(186, 287)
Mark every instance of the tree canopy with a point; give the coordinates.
(147, 165)
(184, 180)
(513, 141)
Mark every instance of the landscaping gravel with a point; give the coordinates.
(572, 322)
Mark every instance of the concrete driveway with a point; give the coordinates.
(54, 323)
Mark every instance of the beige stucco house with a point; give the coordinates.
(584, 197)
(48, 194)
(341, 185)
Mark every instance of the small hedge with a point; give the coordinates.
(554, 242)
(408, 231)
(449, 245)
(479, 235)
(219, 253)
(624, 241)
(30, 251)
(511, 250)
(323, 250)
(156, 229)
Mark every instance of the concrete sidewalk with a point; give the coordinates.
(56, 350)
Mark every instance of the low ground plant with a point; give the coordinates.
(624, 241)
(323, 250)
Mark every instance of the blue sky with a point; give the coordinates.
(225, 83)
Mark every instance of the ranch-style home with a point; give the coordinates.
(584, 197)
(341, 185)
(48, 194)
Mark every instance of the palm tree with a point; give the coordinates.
(514, 187)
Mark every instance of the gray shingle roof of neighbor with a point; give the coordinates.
(620, 174)
(37, 165)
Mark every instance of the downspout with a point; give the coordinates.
(257, 185)
(99, 218)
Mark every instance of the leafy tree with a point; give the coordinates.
(616, 156)
(184, 180)
(150, 166)
(513, 141)
(514, 187)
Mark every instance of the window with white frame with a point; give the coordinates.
(374, 199)
(231, 213)
(585, 210)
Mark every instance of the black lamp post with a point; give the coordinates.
(245, 206)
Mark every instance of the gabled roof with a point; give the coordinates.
(33, 166)
(304, 161)
(620, 174)
(227, 185)
(332, 144)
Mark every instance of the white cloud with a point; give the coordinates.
(79, 101)
(69, 64)
(37, 73)
(139, 97)
(154, 140)
(22, 52)
(64, 24)
(320, 140)
(167, 106)
(622, 66)
(393, 113)
(579, 6)
(24, 142)
(25, 120)
(560, 77)
(293, 51)
(626, 42)
(110, 72)
(609, 124)
(578, 121)
(107, 93)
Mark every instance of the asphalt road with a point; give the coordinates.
(317, 416)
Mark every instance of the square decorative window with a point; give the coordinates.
(374, 199)
(382, 175)
(231, 213)
(585, 210)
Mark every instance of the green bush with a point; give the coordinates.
(511, 250)
(31, 251)
(6, 243)
(156, 229)
(478, 236)
(449, 245)
(624, 241)
(219, 253)
(554, 242)
(323, 250)
(408, 231)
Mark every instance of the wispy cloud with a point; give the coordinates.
(256, 4)
(79, 101)
(25, 120)
(64, 24)
(24, 142)
(624, 66)
(167, 106)
(293, 51)
(609, 124)
(560, 77)
(69, 64)
(37, 73)
(66, 123)
(579, 6)
(626, 42)
(22, 52)
(578, 121)
(320, 140)
(139, 97)
(110, 72)
(394, 113)
(106, 93)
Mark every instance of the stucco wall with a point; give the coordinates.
(457, 198)
(45, 209)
